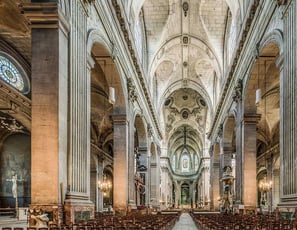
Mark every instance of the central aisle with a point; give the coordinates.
(185, 223)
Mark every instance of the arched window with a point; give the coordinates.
(13, 74)
(185, 161)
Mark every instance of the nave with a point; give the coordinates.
(168, 220)
(123, 106)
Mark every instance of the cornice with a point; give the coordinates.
(44, 15)
(122, 23)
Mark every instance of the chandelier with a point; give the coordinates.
(265, 185)
(105, 185)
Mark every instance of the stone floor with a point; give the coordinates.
(185, 223)
(12, 222)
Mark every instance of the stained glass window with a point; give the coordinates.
(10, 74)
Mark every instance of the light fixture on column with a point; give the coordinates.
(105, 185)
(258, 91)
(111, 97)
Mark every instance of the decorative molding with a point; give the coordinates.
(142, 80)
(237, 94)
(220, 131)
(149, 130)
(132, 94)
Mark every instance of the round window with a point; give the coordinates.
(11, 74)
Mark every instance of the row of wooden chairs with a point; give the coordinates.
(238, 222)
(111, 222)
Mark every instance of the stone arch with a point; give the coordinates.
(273, 36)
(264, 76)
(106, 72)
(192, 85)
(100, 48)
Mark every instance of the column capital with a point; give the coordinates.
(251, 118)
(43, 15)
(119, 118)
(237, 93)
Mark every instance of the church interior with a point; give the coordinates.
(148, 110)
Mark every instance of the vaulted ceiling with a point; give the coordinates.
(185, 42)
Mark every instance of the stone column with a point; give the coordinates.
(148, 181)
(249, 159)
(288, 107)
(120, 164)
(131, 170)
(100, 177)
(154, 185)
(214, 182)
(77, 204)
(275, 188)
(49, 78)
(269, 159)
(237, 98)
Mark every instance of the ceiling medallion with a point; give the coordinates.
(185, 39)
(185, 8)
(185, 114)
(185, 97)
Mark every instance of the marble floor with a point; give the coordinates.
(185, 223)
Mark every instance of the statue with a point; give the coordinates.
(40, 218)
(227, 197)
(14, 180)
(14, 190)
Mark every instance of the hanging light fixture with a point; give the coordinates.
(105, 185)
(258, 91)
(265, 185)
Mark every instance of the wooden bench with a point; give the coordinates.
(7, 211)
